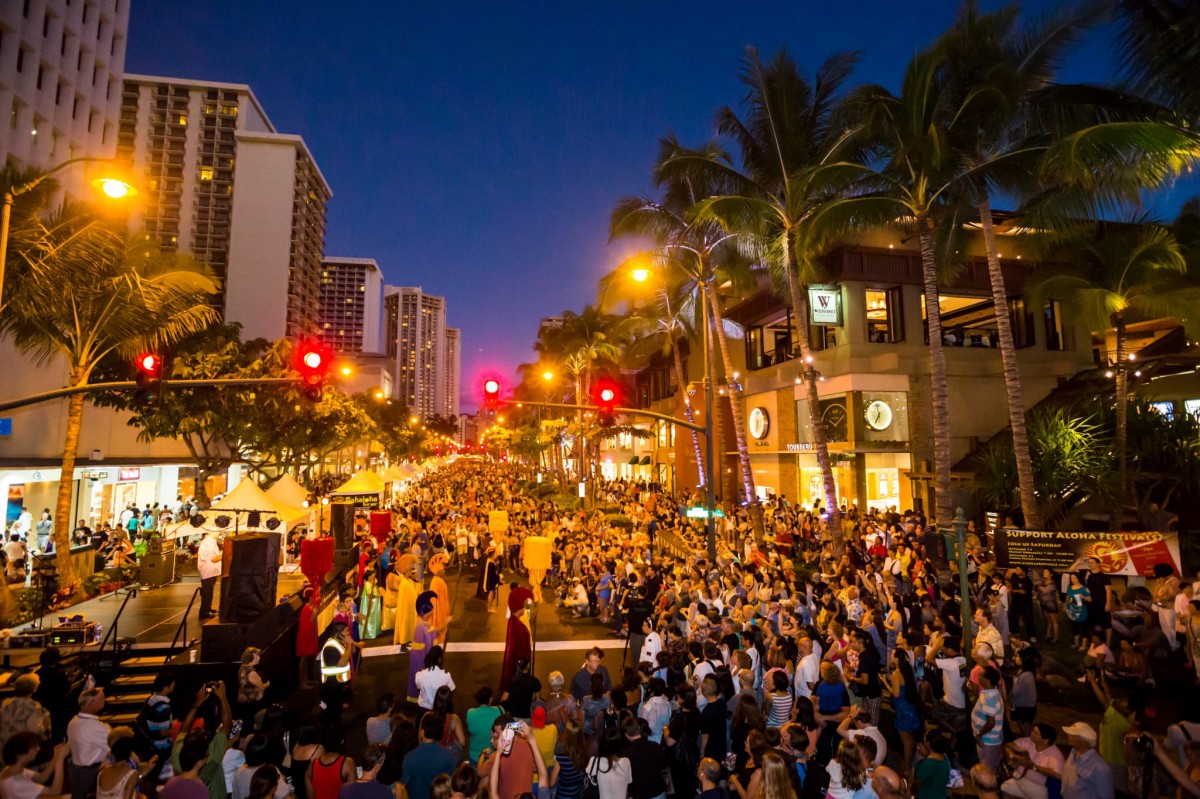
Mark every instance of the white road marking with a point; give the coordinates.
(492, 646)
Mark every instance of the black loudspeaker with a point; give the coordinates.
(341, 525)
(249, 576)
(157, 569)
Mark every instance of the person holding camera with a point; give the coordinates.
(212, 707)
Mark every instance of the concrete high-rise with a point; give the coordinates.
(61, 63)
(350, 299)
(414, 331)
(450, 375)
(220, 183)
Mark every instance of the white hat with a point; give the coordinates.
(1081, 730)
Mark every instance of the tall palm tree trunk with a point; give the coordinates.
(937, 363)
(687, 411)
(1012, 373)
(816, 419)
(739, 422)
(67, 577)
(1121, 389)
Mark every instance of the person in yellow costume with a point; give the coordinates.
(406, 601)
(441, 602)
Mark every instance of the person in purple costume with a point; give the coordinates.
(423, 637)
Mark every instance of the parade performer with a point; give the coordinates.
(537, 561)
(406, 595)
(518, 642)
(441, 602)
(424, 636)
(391, 584)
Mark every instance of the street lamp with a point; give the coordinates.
(111, 187)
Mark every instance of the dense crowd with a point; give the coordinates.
(785, 667)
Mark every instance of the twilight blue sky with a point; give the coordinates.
(476, 148)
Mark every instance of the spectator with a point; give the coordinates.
(546, 736)
(479, 723)
(306, 747)
(21, 712)
(987, 719)
(428, 760)
(379, 726)
(932, 773)
(251, 685)
(1035, 761)
(18, 780)
(1085, 775)
(212, 708)
(118, 778)
(595, 705)
(367, 786)
(87, 736)
(581, 683)
(189, 759)
(608, 769)
(570, 760)
(432, 677)
(646, 762)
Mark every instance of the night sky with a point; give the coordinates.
(476, 149)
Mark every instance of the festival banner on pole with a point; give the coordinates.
(1124, 553)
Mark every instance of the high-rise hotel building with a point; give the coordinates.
(350, 298)
(415, 336)
(219, 182)
(451, 375)
(61, 63)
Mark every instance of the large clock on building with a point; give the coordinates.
(878, 415)
(760, 423)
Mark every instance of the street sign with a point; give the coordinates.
(701, 513)
(5, 426)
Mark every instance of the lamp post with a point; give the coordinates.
(110, 187)
(709, 493)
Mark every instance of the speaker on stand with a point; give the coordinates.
(249, 576)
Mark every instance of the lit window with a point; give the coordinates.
(182, 119)
(206, 173)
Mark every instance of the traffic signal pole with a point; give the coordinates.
(133, 385)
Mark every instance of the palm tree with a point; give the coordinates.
(1119, 273)
(81, 293)
(694, 254)
(1002, 72)
(792, 160)
(1158, 47)
(913, 181)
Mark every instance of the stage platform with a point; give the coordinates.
(150, 619)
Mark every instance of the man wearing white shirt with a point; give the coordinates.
(808, 672)
(87, 737)
(24, 524)
(208, 563)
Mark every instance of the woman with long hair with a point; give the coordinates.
(746, 719)
(775, 778)
(682, 737)
(902, 687)
(566, 772)
(847, 772)
(264, 783)
(403, 741)
(454, 737)
(748, 780)
(611, 771)
(306, 747)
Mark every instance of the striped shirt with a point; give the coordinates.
(780, 712)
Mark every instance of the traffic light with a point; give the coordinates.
(491, 393)
(149, 378)
(606, 396)
(313, 362)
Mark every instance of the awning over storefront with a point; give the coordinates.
(635, 460)
(645, 460)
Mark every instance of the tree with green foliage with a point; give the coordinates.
(80, 293)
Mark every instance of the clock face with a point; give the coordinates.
(878, 415)
(760, 423)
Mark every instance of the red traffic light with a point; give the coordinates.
(149, 364)
(606, 396)
(491, 393)
(313, 362)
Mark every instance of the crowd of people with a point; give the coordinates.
(786, 667)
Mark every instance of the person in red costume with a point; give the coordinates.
(518, 643)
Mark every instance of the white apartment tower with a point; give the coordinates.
(414, 326)
(218, 181)
(61, 63)
(451, 376)
(350, 298)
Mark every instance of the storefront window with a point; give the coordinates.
(769, 343)
(1052, 317)
(833, 413)
(884, 316)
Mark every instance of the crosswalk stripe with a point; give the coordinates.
(494, 646)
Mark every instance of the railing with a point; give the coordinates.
(182, 628)
(111, 635)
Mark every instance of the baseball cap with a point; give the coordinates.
(1081, 730)
(538, 718)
